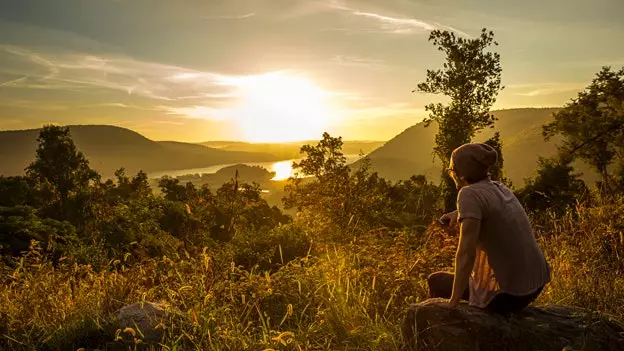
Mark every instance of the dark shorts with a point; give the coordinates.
(441, 285)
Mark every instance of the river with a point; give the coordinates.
(283, 169)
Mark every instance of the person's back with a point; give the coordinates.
(506, 243)
(498, 264)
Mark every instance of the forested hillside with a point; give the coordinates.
(410, 152)
(109, 148)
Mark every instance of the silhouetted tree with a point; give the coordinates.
(555, 187)
(497, 171)
(471, 78)
(592, 124)
(60, 171)
(334, 196)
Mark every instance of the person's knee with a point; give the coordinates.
(436, 277)
(432, 279)
(440, 284)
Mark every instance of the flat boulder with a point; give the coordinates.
(432, 325)
(146, 321)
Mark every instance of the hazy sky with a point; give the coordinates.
(196, 70)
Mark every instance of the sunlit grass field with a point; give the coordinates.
(348, 295)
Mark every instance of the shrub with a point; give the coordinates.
(269, 250)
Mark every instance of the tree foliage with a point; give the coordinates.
(59, 167)
(324, 189)
(353, 201)
(16, 191)
(19, 225)
(497, 171)
(556, 187)
(471, 78)
(592, 124)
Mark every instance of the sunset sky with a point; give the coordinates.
(271, 70)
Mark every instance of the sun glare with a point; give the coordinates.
(276, 107)
(283, 170)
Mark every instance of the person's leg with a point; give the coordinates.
(441, 285)
(506, 304)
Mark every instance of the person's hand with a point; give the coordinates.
(448, 303)
(450, 219)
(453, 302)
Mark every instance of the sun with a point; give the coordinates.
(277, 107)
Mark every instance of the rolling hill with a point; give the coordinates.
(291, 150)
(109, 148)
(410, 152)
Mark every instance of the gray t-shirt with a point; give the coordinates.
(508, 258)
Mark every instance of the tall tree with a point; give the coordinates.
(60, 170)
(335, 195)
(471, 78)
(325, 193)
(592, 124)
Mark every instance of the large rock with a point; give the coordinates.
(147, 320)
(432, 325)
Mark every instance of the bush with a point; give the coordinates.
(20, 225)
(269, 250)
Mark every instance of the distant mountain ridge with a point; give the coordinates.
(291, 150)
(411, 152)
(109, 147)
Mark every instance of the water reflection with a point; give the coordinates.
(283, 169)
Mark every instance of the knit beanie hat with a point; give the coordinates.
(473, 161)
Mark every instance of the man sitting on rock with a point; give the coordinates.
(498, 265)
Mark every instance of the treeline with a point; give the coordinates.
(72, 213)
(65, 205)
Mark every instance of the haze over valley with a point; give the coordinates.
(409, 153)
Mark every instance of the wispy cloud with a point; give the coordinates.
(35, 105)
(121, 82)
(544, 89)
(397, 25)
(84, 73)
(121, 106)
(173, 123)
(232, 17)
(13, 81)
(358, 61)
(387, 23)
(385, 110)
(199, 112)
(452, 29)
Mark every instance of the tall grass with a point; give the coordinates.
(349, 296)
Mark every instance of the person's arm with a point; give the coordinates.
(465, 257)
